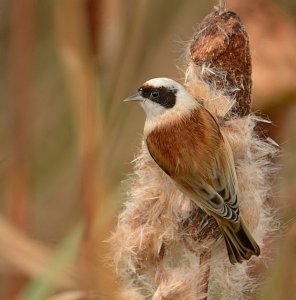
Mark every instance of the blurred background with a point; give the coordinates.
(67, 139)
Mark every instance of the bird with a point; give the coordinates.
(186, 142)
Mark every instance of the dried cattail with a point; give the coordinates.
(165, 247)
(221, 48)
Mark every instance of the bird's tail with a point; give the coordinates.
(239, 242)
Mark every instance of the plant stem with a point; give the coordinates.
(203, 282)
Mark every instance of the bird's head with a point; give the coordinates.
(161, 97)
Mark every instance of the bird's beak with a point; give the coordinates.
(136, 97)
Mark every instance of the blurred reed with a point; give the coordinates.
(20, 61)
(77, 43)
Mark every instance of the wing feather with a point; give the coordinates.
(222, 187)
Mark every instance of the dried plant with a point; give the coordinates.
(164, 246)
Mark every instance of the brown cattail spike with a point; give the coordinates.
(221, 48)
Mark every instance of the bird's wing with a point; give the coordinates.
(218, 196)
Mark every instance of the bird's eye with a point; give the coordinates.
(154, 94)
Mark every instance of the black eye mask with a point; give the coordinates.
(164, 96)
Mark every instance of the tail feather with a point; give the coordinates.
(239, 242)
